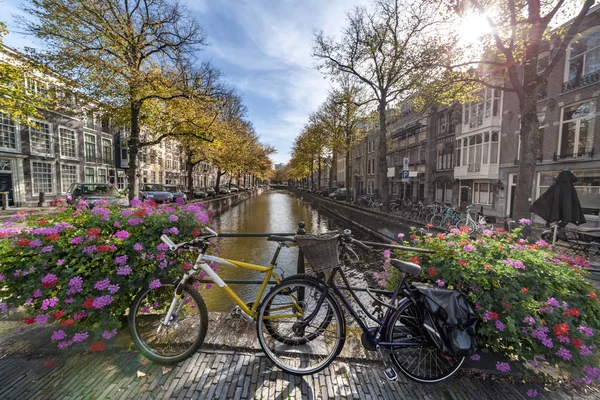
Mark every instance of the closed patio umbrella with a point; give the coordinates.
(560, 202)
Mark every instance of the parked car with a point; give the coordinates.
(93, 192)
(326, 191)
(156, 192)
(340, 194)
(199, 193)
(209, 191)
(176, 191)
(234, 189)
(224, 190)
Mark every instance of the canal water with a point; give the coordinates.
(273, 211)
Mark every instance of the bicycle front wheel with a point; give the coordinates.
(181, 336)
(306, 329)
(418, 359)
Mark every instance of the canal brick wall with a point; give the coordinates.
(384, 226)
(220, 204)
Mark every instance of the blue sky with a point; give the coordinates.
(263, 47)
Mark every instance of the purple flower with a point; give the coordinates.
(124, 270)
(499, 326)
(58, 335)
(386, 253)
(77, 240)
(548, 343)
(553, 302)
(69, 300)
(532, 393)
(47, 303)
(525, 221)
(171, 231)
(162, 247)
(440, 283)
(37, 293)
(65, 344)
(173, 218)
(514, 263)
(113, 288)
(126, 213)
(502, 366)
(89, 249)
(80, 315)
(41, 319)
(102, 285)
(136, 203)
(564, 354)
(102, 301)
(80, 337)
(529, 320)
(108, 335)
(155, 284)
(100, 211)
(60, 262)
(76, 282)
(475, 357)
(47, 249)
(138, 247)
(540, 332)
(121, 260)
(3, 307)
(134, 221)
(1, 277)
(163, 264)
(585, 351)
(587, 331)
(469, 248)
(121, 235)
(117, 224)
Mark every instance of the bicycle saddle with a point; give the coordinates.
(404, 266)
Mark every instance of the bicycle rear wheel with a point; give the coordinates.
(420, 360)
(306, 329)
(181, 337)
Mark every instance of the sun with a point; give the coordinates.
(473, 26)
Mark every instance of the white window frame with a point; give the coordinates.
(52, 171)
(112, 155)
(50, 134)
(60, 142)
(578, 126)
(98, 175)
(85, 119)
(489, 191)
(85, 174)
(17, 148)
(35, 88)
(581, 36)
(64, 187)
(86, 135)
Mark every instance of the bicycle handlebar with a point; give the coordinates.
(348, 238)
(172, 246)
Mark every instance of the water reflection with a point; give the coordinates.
(274, 211)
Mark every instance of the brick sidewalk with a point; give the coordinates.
(119, 372)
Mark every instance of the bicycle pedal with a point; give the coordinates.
(391, 374)
(236, 312)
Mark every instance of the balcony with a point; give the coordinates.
(581, 81)
(582, 154)
(476, 171)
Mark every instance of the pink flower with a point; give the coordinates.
(564, 354)
(525, 221)
(41, 319)
(108, 335)
(173, 218)
(502, 366)
(587, 331)
(440, 283)
(124, 270)
(138, 247)
(121, 260)
(475, 357)
(122, 235)
(469, 248)
(155, 284)
(499, 326)
(77, 240)
(58, 335)
(532, 393)
(80, 337)
(117, 224)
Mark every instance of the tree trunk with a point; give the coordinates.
(132, 144)
(528, 157)
(319, 173)
(333, 169)
(218, 182)
(381, 177)
(348, 177)
(189, 166)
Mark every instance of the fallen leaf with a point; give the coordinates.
(140, 374)
(166, 370)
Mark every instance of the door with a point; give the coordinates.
(7, 186)
(464, 197)
(512, 181)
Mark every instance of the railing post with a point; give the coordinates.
(300, 266)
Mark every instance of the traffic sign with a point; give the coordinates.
(405, 174)
(405, 164)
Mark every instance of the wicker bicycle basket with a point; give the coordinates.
(321, 251)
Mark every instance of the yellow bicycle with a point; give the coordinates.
(168, 321)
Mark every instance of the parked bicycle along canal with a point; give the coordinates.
(275, 211)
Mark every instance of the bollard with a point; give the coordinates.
(42, 199)
(300, 266)
(4, 200)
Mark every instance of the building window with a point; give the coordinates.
(442, 125)
(160, 177)
(444, 154)
(443, 191)
(482, 193)
(112, 176)
(8, 133)
(540, 136)
(35, 86)
(145, 176)
(102, 175)
(107, 157)
(476, 113)
(88, 119)
(68, 142)
(90, 148)
(153, 177)
(587, 187)
(41, 139)
(576, 136)
(42, 177)
(583, 60)
(68, 176)
(121, 182)
(90, 176)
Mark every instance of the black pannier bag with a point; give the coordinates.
(449, 321)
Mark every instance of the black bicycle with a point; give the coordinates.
(400, 332)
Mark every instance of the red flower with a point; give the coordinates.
(103, 248)
(573, 312)
(195, 233)
(414, 260)
(429, 225)
(561, 329)
(67, 322)
(28, 320)
(49, 364)
(525, 290)
(486, 266)
(413, 237)
(97, 346)
(23, 242)
(463, 263)
(505, 303)
(465, 229)
(493, 316)
(140, 213)
(185, 267)
(88, 302)
(50, 283)
(42, 221)
(440, 236)
(576, 342)
(93, 231)
(592, 294)
(58, 314)
(53, 237)
(431, 271)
